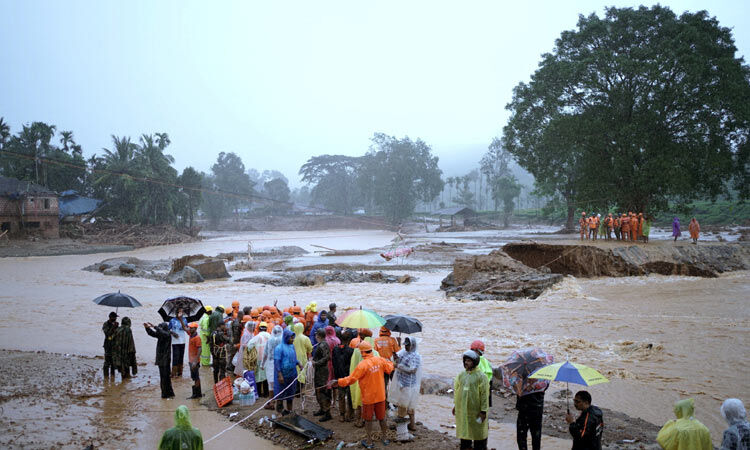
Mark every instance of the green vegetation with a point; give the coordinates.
(638, 110)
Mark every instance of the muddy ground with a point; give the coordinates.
(60, 401)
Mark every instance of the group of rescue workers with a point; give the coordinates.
(624, 227)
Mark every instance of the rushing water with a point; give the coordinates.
(657, 338)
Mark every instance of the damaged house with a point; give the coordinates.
(28, 207)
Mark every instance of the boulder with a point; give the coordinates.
(209, 268)
(127, 268)
(186, 275)
(435, 385)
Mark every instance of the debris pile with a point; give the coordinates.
(105, 232)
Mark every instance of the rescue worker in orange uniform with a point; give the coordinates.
(593, 226)
(625, 227)
(386, 346)
(370, 373)
(695, 229)
(609, 222)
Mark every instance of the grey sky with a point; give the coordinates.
(278, 82)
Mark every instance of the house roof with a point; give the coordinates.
(74, 205)
(12, 187)
(455, 211)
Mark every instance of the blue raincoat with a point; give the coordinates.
(285, 361)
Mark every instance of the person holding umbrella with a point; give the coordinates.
(179, 330)
(163, 355)
(587, 429)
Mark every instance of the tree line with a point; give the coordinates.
(136, 179)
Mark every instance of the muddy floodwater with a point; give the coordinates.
(657, 338)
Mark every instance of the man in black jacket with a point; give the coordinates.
(342, 357)
(163, 355)
(587, 429)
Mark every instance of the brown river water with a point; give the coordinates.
(658, 338)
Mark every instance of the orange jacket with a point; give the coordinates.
(625, 224)
(386, 345)
(369, 373)
(593, 223)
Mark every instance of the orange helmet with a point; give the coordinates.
(364, 347)
(477, 345)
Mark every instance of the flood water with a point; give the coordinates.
(658, 338)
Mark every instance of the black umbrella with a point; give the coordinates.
(403, 324)
(191, 307)
(118, 300)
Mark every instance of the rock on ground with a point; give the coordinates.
(186, 275)
(209, 268)
(496, 276)
(131, 267)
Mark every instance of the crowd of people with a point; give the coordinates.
(628, 227)
(623, 227)
(359, 376)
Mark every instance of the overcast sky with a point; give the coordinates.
(279, 81)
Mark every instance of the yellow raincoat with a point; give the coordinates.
(356, 359)
(205, 350)
(302, 347)
(685, 432)
(470, 397)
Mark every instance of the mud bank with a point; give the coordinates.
(613, 260)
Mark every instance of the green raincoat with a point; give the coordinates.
(470, 397)
(685, 432)
(485, 367)
(183, 436)
(205, 351)
(302, 347)
(356, 359)
(646, 227)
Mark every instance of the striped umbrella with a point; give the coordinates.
(570, 373)
(361, 318)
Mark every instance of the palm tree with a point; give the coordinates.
(4, 132)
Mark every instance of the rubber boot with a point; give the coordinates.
(106, 372)
(326, 417)
(196, 393)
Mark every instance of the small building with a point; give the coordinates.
(466, 214)
(73, 205)
(28, 207)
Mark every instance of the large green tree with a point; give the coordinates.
(277, 191)
(637, 109)
(231, 185)
(334, 181)
(191, 186)
(400, 172)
